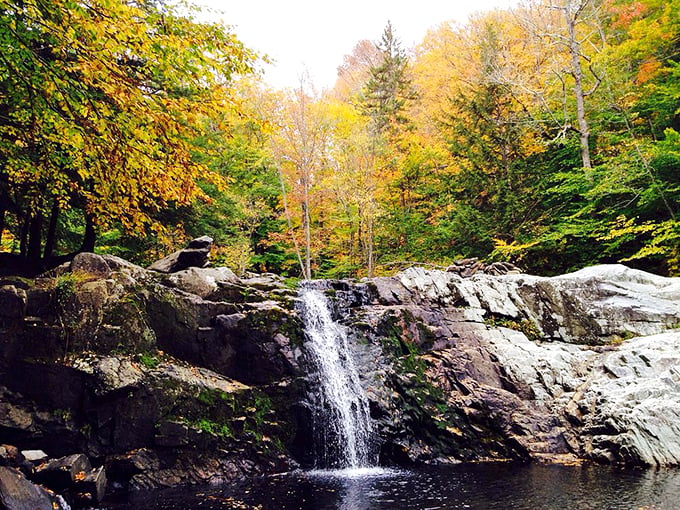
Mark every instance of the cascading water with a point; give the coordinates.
(342, 422)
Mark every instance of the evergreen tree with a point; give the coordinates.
(389, 88)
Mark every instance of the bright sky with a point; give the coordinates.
(313, 36)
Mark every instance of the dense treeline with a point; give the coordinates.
(546, 135)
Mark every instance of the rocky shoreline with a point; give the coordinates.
(196, 375)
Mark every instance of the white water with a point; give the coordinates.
(342, 420)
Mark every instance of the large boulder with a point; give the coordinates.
(17, 493)
(196, 254)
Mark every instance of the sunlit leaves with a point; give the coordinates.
(104, 98)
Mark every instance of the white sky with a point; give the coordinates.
(314, 35)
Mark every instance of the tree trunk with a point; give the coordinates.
(23, 240)
(286, 210)
(90, 237)
(369, 248)
(577, 73)
(51, 236)
(35, 237)
(308, 234)
(3, 211)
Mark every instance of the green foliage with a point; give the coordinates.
(127, 123)
(148, 360)
(65, 287)
(387, 91)
(100, 101)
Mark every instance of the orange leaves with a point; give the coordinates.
(648, 71)
(625, 14)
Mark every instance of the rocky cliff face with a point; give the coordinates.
(165, 379)
(581, 366)
(200, 376)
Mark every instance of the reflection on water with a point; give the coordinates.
(465, 486)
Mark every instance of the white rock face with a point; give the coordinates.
(600, 377)
(626, 400)
(636, 390)
(594, 305)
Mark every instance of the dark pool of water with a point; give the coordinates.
(478, 486)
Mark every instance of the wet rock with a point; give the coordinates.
(496, 367)
(172, 433)
(196, 254)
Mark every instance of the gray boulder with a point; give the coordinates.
(196, 254)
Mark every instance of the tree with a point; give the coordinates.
(355, 70)
(568, 29)
(384, 100)
(299, 145)
(102, 101)
(386, 93)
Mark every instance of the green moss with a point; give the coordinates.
(525, 326)
(148, 360)
(211, 397)
(212, 427)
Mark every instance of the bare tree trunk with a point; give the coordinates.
(23, 241)
(306, 226)
(577, 72)
(3, 211)
(369, 251)
(286, 210)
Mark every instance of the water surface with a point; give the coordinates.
(465, 486)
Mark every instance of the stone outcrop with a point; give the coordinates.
(188, 377)
(16, 492)
(519, 366)
(196, 254)
(196, 375)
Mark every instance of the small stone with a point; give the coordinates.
(91, 487)
(35, 456)
(195, 255)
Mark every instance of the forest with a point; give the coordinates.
(547, 135)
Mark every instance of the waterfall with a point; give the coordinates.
(342, 422)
